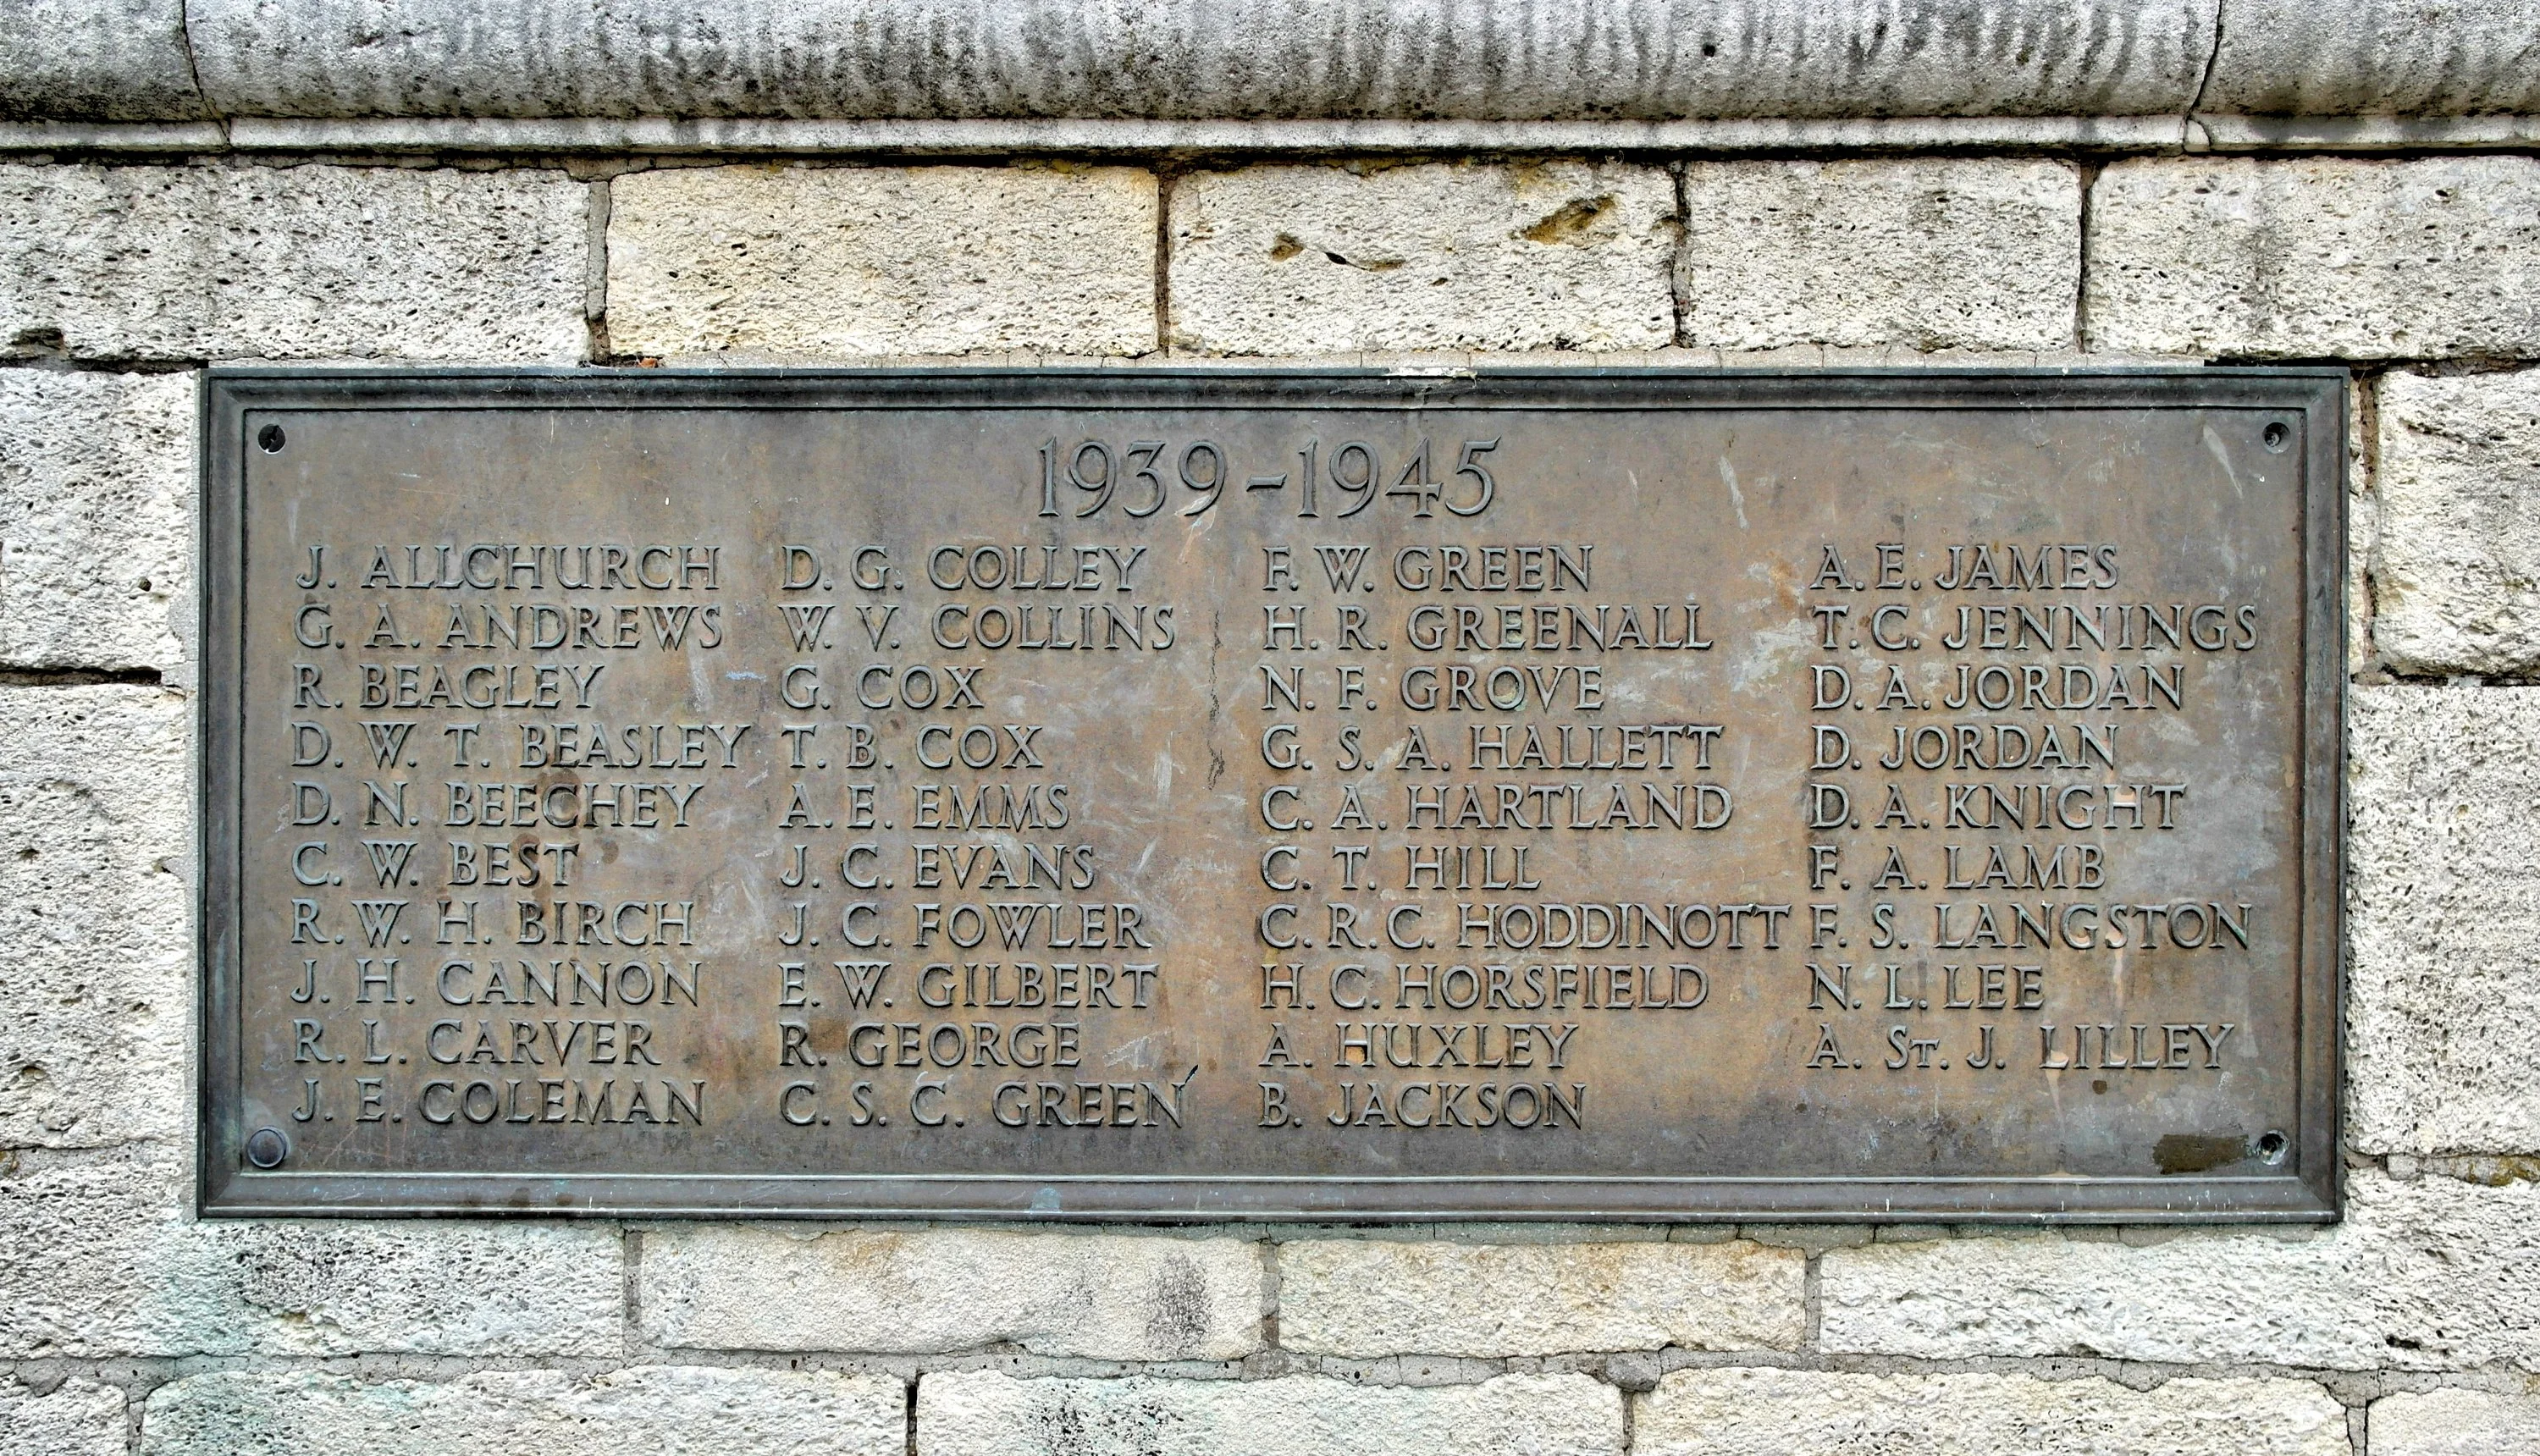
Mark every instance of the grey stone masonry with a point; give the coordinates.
(77, 1418)
(292, 263)
(1379, 1297)
(987, 1414)
(95, 851)
(1323, 261)
(2454, 1422)
(2375, 57)
(2316, 258)
(103, 60)
(1584, 59)
(97, 478)
(1734, 1412)
(105, 1262)
(2457, 561)
(2444, 868)
(793, 261)
(1928, 252)
(2427, 1274)
(916, 1292)
(1426, 185)
(1589, 59)
(647, 1411)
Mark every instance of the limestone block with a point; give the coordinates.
(96, 845)
(1381, 1296)
(2424, 1275)
(1930, 252)
(987, 1414)
(239, 261)
(2376, 58)
(2442, 874)
(1592, 60)
(95, 60)
(2456, 569)
(2453, 1422)
(740, 1286)
(104, 1262)
(2319, 257)
(647, 1411)
(2362, 528)
(1307, 260)
(860, 261)
(1736, 1412)
(96, 476)
(77, 1418)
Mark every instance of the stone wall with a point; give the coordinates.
(128, 1326)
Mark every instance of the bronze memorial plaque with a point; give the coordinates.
(1243, 793)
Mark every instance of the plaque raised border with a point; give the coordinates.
(2308, 1190)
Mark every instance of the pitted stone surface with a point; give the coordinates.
(2454, 1422)
(2317, 258)
(1590, 59)
(2376, 58)
(2424, 1275)
(77, 1418)
(97, 61)
(2362, 527)
(2444, 866)
(730, 1287)
(96, 844)
(1932, 253)
(104, 1262)
(95, 552)
(858, 261)
(2456, 568)
(987, 1414)
(1736, 1412)
(1320, 260)
(292, 263)
(1381, 1296)
(646, 1410)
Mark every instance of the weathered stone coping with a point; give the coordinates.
(973, 75)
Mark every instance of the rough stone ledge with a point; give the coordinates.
(1628, 1370)
(1003, 137)
(1584, 59)
(1145, 137)
(1590, 60)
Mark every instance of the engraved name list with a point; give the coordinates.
(1179, 793)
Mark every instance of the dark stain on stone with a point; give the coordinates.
(1285, 247)
(1178, 1319)
(1564, 223)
